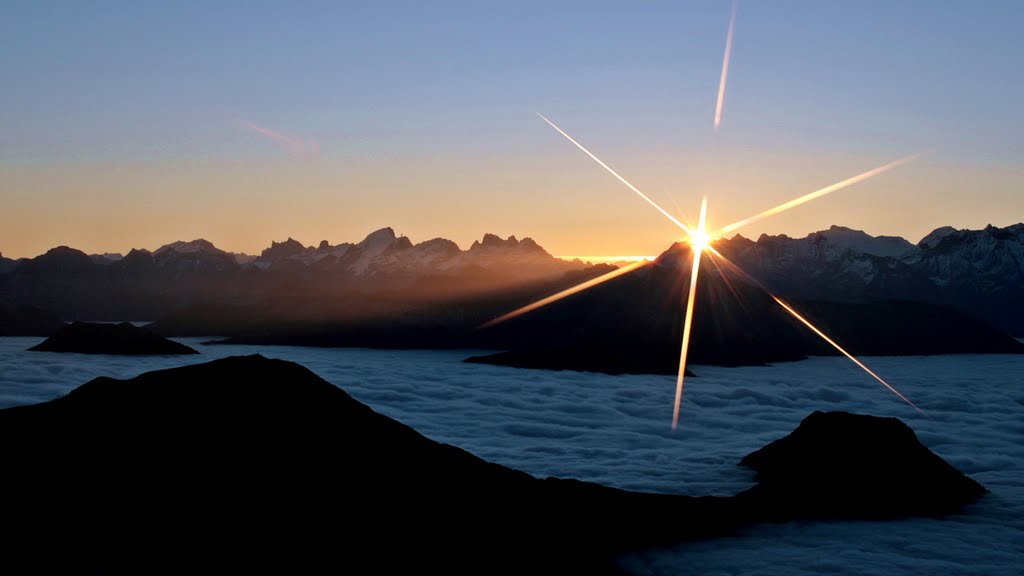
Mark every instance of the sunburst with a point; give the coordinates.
(700, 240)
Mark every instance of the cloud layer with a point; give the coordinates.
(616, 430)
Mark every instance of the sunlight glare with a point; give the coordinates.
(817, 194)
(566, 293)
(691, 298)
(674, 220)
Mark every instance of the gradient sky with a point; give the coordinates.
(134, 124)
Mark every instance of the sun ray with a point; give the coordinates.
(566, 293)
(674, 220)
(725, 68)
(825, 337)
(817, 194)
(792, 312)
(697, 245)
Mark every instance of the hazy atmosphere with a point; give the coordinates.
(605, 288)
(137, 124)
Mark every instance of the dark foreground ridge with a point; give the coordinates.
(247, 462)
(123, 338)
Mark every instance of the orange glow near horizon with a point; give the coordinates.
(698, 241)
(607, 259)
(566, 293)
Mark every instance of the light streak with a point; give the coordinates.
(293, 144)
(725, 68)
(599, 259)
(792, 312)
(825, 337)
(675, 221)
(566, 293)
(698, 242)
(817, 194)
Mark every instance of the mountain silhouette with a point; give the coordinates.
(247, 463)
(120, 339)
(877, 295)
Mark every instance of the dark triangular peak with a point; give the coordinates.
(119, 339)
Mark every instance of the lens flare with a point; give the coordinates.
(825, 337)
(792, 312)
(608, 259)
(725, 68)
(818, 194)
(566, 293)
(697, 249)
(675, 221)
(700, 241)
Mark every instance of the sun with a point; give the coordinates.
(700, 240)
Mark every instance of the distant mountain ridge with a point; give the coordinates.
(381, 252)
(147, 284)
(980, 272)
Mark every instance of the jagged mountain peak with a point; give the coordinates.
(378, 238)
(278, 250)
(493, 241)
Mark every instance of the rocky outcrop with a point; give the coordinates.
(121, 339)
(841, 465)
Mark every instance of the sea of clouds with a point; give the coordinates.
(616, 430)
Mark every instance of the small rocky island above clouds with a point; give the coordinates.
(121, 339)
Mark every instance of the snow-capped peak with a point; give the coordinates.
(860, 241)
(377, 240)
(932, 240)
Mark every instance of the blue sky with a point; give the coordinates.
(411, 100)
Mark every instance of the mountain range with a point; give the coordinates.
(362, 278)
(955, 291)
(979, 272)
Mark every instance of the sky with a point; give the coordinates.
(135, 124)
